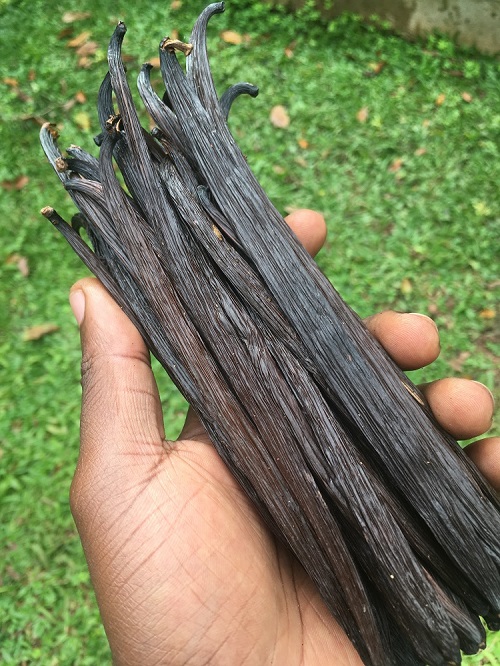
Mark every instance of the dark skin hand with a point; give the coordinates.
(183, 569)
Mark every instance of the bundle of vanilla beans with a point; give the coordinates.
(330, 440)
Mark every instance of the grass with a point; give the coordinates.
(396, 143)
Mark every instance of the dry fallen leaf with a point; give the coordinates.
(72, 17)
(420, 151)
(458, 362)
(433, 309)
(87, 49)
(175, 5)
(488, 313)
(440, 99)
(279, 116)
(374, 68)
(467, 97)
(79, 40)
(82, 119)
(303, 143)
(80, 97)
(290, 49)
(396, 165)
(155, 61)
(301, 162)
(362, 114)
(15, 184)
(14, 84)
(231, 37)
(38, 331)
(406, 286)
(21, 263)
(67, 106)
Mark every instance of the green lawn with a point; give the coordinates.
(396, 143)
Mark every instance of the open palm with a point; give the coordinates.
(184, 570)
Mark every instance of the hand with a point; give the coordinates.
(183, 569)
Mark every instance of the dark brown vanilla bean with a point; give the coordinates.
(329, 439)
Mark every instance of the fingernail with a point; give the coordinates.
(488, 390)
(77, 302)
(426, 317)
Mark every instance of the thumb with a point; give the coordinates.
(121, 417)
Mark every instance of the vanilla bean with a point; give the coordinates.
(327, 436)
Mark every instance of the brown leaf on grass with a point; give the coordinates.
(15, 184)
(303, 143)
(155, 61)
(72, 17)
(467, 97)
(21, 263)
(14, 84)
(279, 117)
(87, 49)
(488, 313)
(67, 106)
(396, 165)
(440, 99)
(39, 331)
(420, 151)
(82, 119)
(79, 40)
(80, 97)
(374, 69)
(175, 5)
(231, 37)
(66, 32)
(128, 57)
(289, 50)
(457, 363)
(406, 286)
(362, 114)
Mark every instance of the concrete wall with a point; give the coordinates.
(471, 22)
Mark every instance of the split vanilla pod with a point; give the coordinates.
(336, 448)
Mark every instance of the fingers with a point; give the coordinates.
(463, 407)
(121, 410)
(411, 340)
(309, 227)
(485, 454)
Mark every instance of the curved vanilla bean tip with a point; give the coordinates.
(78, 222)
(197, 65)
(105, 107)
(233, 92)
(162, 115)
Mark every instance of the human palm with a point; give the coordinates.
(184, 570)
